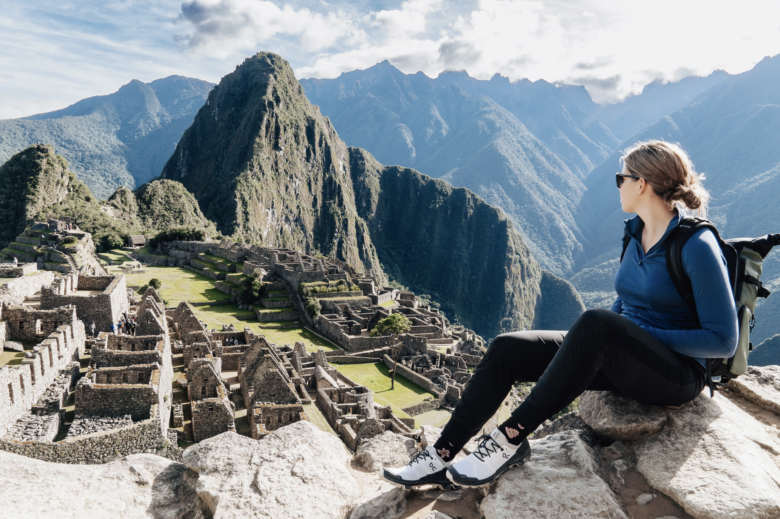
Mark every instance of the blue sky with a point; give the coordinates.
(58, 52)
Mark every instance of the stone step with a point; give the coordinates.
(24, 247)
(29, 240)
(277, 314)
(204, 258)
(24, 257)
(57, 267)
(281, 302)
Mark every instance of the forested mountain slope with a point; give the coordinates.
(123, 138)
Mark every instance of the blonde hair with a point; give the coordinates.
(669, 171)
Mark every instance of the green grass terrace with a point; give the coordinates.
(376, 377)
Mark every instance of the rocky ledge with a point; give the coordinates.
(713, 458)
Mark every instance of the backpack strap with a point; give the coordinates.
(674, 263)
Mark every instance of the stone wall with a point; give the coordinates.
(104, 308)
(7, 270)
(266, 418)
(21, 386)
(210, 417)
(26, 324)
(95, 282)
(28, 285)
(102, 447)
(128, 351)
(117, 398)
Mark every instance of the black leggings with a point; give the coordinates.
(603, 351)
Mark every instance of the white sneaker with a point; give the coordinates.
(494, 454)
(426, 468)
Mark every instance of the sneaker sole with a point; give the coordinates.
(465, 481)
(442, 482)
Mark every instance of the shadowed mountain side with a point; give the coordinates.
(123, 138)
(448, 242)
(269, 169)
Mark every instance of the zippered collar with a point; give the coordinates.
(635, 225)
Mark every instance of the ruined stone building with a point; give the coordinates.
(212, 411)
(102, 299)
(122, 403)
(268, 386)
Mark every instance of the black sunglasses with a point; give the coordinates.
(620, 176)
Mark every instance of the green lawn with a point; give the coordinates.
(116, 256)
(436, 418)
(376, 377)
(13, 358)
(318, 419)
(178, 284)
(388, 303)
(214, 316)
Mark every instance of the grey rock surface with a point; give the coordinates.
(568, 422)
(385, 450)
(141, 485)
(715, 460)
(615, 417)
(297, 472)
(389, 502)
(760, 385)
(13, 346)
(435, 514)
(561, 481)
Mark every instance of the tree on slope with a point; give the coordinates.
(393, 326)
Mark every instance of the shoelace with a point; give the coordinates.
(421, 456)
(486, 446)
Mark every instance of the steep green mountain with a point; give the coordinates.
(32, 181)
(40, 186)
(732, 133)
(656, 100)
(119, 139)
(267, 167)
(470, 133)
(767, 353)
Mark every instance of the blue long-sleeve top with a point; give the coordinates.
(647, 296)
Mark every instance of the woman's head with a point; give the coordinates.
(666, 168)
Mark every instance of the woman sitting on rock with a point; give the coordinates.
(648, 347)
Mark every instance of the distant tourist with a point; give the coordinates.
(648, 347)
(113, 329)
(92, 329)
(16, 262)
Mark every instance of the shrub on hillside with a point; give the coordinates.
(110, 242)
(70, 240)
(155, 283)
(251, 290)
(177, 234)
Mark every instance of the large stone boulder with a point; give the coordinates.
(389, 502)
(561, 480)
(760, 385)
(715, 460)
(385, 450)
(141, 485)
(616, 417)
(298, 471)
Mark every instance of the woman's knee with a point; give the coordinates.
(595, 318)
(512, 344)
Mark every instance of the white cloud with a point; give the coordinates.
(223, 27)
(56, 52)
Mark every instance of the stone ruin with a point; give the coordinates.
(122, 403)
(268, 385)
(102, 299)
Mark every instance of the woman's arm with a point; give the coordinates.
(704, 263)
(617, 306)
